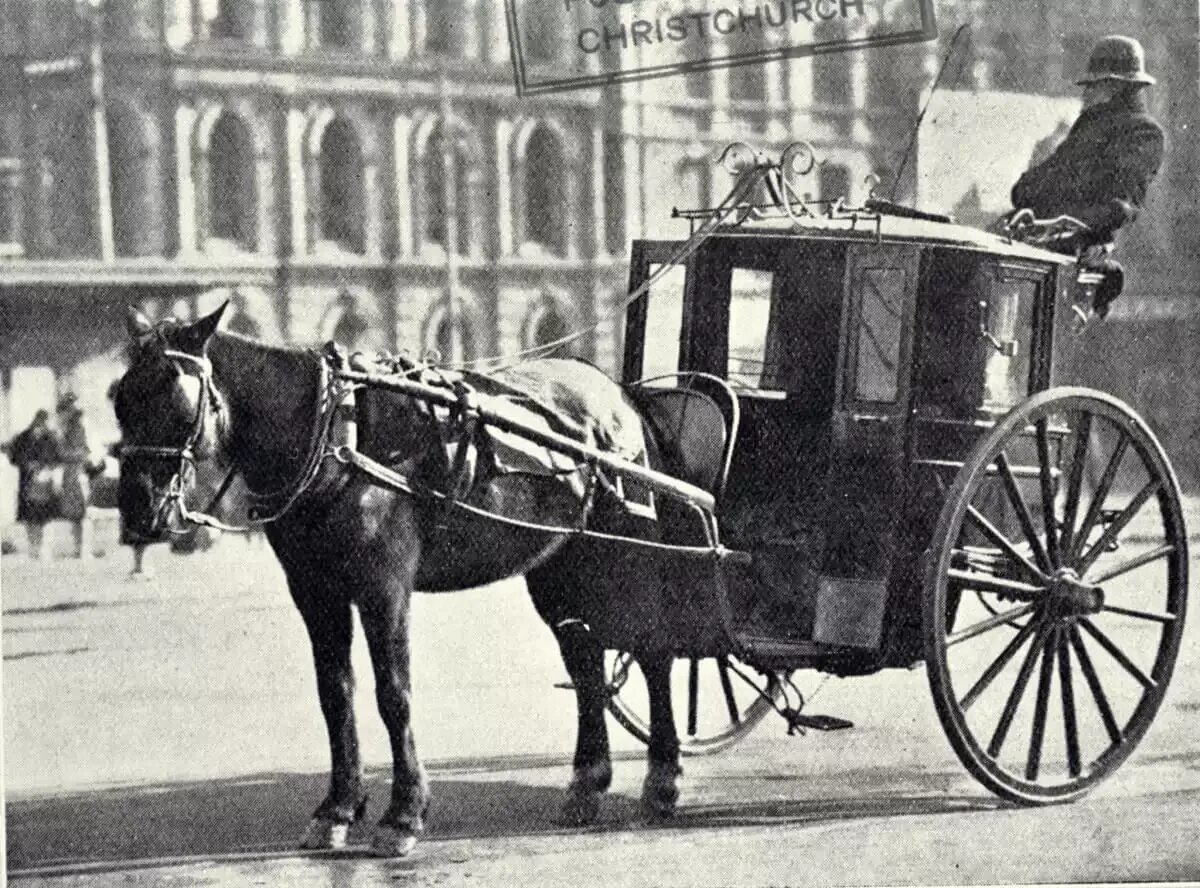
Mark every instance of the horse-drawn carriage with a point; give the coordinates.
(854, 461)
(907, 485)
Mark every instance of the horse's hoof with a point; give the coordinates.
(325, 835)
(660, 792)
(580, 809)
(391, 841)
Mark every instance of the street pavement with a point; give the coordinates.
(167, 732)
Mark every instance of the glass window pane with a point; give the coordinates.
(881, 311)
(1009, 320)
(749, 319)
(664, 322)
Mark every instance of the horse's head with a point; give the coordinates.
(169, 413)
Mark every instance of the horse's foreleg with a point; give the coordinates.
(330, 629)
(385, 618)
(584, 658)
(660, 792)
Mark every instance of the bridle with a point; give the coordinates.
(269, 506)
(183, 455)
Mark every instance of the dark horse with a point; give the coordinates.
(346, 541)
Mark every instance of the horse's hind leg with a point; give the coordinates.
(330, 629)
(385, 617)
(584, 658)
(660, 791)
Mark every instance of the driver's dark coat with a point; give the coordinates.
(1101, 171)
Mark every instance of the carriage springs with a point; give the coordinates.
(694, 27)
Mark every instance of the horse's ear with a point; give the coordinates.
(196, 335)
(137, 324)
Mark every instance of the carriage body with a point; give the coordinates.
(867, 356)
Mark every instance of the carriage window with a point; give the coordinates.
(1010, 320)
(881, 315)
(750, 361)
(664, 322)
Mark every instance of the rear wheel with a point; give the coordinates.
(1055, 596)
(717, 700)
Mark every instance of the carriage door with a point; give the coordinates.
(866, 480)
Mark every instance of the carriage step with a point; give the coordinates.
(802, 721)
(791, 650)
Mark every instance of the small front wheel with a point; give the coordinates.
(1056, 586)
(719, 700)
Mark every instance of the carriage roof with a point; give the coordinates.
(883, 228)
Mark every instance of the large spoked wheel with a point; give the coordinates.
(717, 700)
(1055, 599)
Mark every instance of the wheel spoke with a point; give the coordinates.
(735, 717)
(1133, 564)
(1165, 619)
(1038, 735)
(1014, 697)
(1049, 524)
(970, 579)
(1119, 655)
(1070, 725)
(1075, 479)
(1122, 521)
(989, 624)
(1023, 515)
(1097, 689)
(993, 533)
(1079, 540)
(997, 666)
(693, 695)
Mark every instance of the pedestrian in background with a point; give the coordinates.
(75, 456)
(35, 453)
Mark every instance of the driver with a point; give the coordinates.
(1101, 171)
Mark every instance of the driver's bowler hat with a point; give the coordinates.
(1117, 58)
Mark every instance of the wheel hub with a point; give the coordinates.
(1068, 596)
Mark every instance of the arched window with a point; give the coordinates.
(446, 27)
(833, 181)
(72, 222)
(341, 194)
(540, 33)
(334, 23)
(546, 325)
(747, 83)
(133, 189)
(11, 177)
(351, 326)
(451, 336)
(234, 20)
(545, 211)
(831, 82)
(447, 160)
(129, 18)
(231, 192)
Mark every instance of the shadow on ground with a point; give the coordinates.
(265, 814)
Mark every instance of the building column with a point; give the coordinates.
(504, 219)
(297, 183)
(400, 30)
(291, 26)
(185, 125)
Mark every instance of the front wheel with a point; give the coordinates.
(719, 700)
(1055, 595)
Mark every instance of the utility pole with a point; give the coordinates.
(94, 10)
(449, 197)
